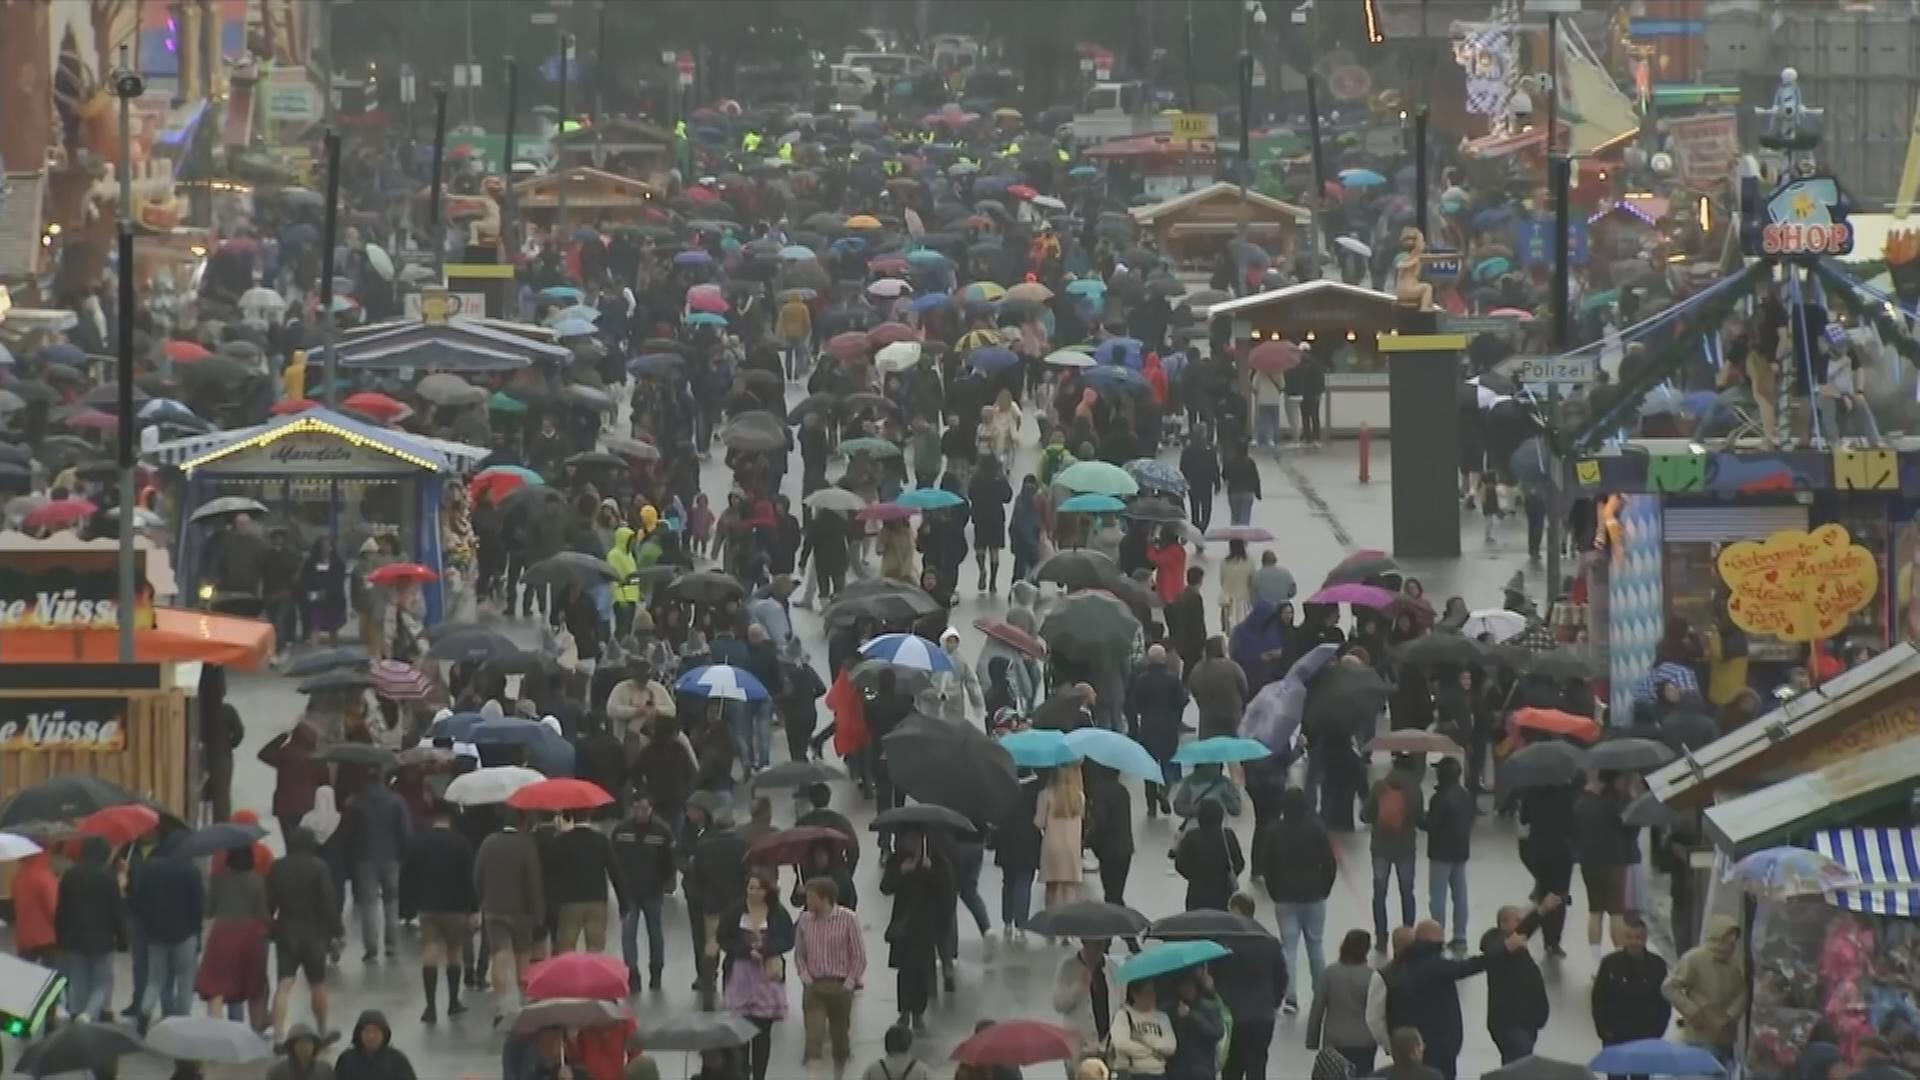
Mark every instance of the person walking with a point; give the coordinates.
(1252, 982)
(579, 868)
(1209, 857)
(830, 956)
(1186, 617)
(1242, 478)
(233, 966)
(89, 924)
(754, 937)
(513, 907)
(1338, 1018)
(1059, 814)
(1017, 843)
(296, 776)
(1200, 467)
(304, 903)
(1628, 1000)
(371, 1055)
(167, 900)
(1449, 828)
(1424, 993)
(376, 829)
(644, 865)
(1516, 993)
(1109, 828)
(899, 1062)
(714, 875)
(1708, 988)
(1200, 1021)
(1298, 866)
(1155, 703)
(1601, 845)
(923, 897)
(300, 1059)
(1219, 689)
(1393, 809)
(1546, 850)
(438, 875)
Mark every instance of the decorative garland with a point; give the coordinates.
(1845, 293)
(1677, 343)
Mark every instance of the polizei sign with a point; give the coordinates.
(43, 725)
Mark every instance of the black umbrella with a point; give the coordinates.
(1206, 923)
(1345, 699)
(106, 397)
(570, 568)
(921, 816)
(587, 397)
(952, 765)
(1534, 1067)
(1361, 566)
(754, 431)
(326, 660)
(707, 587)
(631, 449)
(656, 574)
(1079, 568)
(1544, 764)
(339, 679)
(1558, 664)
(520, 662)
(1061, 712)
(792, 774)
(853, 404)
(1088, 919)
(881, 600)
(1152, 509)
(222, 836)
(78, 1048)
(63, 798)
(596, 459)
(1441, 647)
(1091, 626)
(1648, 812)
(824, 404)
(470, 646)
(353, 753)
(1628, 755)
(693, 1034)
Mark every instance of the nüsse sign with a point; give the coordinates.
(41, 725)
(75, 590)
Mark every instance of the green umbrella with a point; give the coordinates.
(1599, 300)
(1097, 478)
(876, 447)
(500, 402)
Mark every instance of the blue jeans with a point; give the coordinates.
(648, 908)
(170, 970)
(1240, 507)
(1266, 424)
(750, 727)
(1383, 866)
(1442, 877)
(1297, 921)
(89, 985)
(376, 892)
(1016, 897)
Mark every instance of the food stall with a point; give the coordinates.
(593, 195)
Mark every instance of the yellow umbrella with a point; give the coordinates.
(863, 221)
(979, 339)
(1030, 290)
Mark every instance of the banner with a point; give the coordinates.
(44, 725)
(1704, 148)
(70, 590)
(1798, 586)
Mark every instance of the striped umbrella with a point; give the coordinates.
(908, 651)
(395, 680)
(722, 681)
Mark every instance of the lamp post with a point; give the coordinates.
(436, 230)
(127, 85)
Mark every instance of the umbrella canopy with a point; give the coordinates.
(754, 431)
(1534, 1067)
(1092, 504)
(120, 824)
(1498, 624)
(1274, 584)
(871, 447)
(1629, 755)
(706, 587)
(1090, 625)
(921, 816)
(1153, 474)
(836, 499)
(1360, 566)
(1115, 751)
(1782, 873)
(570, 568)
(793, 774)
(593, 976)
(907, 651)
(929, 499)
(1014, 1043)
(356, 753)
(470, 645)
(1345, 698)
(1221, 750)
(14, 847)
(952, 765)
(1039, 748)
(721, 681)
(225, 506)
(1078, 568)
(78, 1048)
(1009, 634)
(701, 1031)
(1414, 741)
(1097, 478)
(1167, 958)
(490, 786)
(1441, 647)
(881, 600)
(1088, 919)
(220, 836)
(1557, 722)
(208, 1040)
(1156, 510)
(1543, 764)
(898, 356)
(1206, 924)
(1656, 1057)
(573, 1014)
(63, 798)
(561, 795)
(791, 846)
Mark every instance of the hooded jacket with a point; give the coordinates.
(1708, 992)
(91, 919)
(620, 556)
(386, 1063)
(1295, 856)
(296, 775)
(286, 1068)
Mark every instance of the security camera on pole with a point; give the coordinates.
(127, 85)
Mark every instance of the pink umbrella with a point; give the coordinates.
(1274, 357)
(886, 511)
(888, 333)
(92, 420)
(1252, 534)
(397, 681)
(707, 298)
(1511, 313)
(1369, 596)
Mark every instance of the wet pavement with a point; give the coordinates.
(1319, 512)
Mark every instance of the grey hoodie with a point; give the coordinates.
(288, 1069)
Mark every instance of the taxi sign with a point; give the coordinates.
(1192, 125)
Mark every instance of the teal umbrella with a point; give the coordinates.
(1092, 504)
(796, 253)
(1166, 959)
(1082, 172)
(1097, 478)
(926, 257)
(929, 498)
(561, 294)
(1595, 301)
(1488, 269)
(1038, 748)
(500, 402)
(703, 318)
(1221, 750)
(1115, 751)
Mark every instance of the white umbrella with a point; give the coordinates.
(1069, 358)
(262, 298)
(837, 499)
(13, 846)
(889, 288)
(899, 356)
(208, 1039)
(485, 787)
(1047, 202)
(381, 262)
(1497, 623)
(1354, 246)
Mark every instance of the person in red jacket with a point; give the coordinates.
(296, 775)
(1169, 558)
(262, 854)
(1156, 376)
(36, 896)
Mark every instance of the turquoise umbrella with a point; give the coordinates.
(1116, 751)
(1092, 504)
(929, 499)
(1166, 959)
(1097, 478)
(1087, 287)
(561, 294)
(926, 257)
(503, 403)
(1038, 748)
(702, 318)
(1488, 269)
(796, 253)
(1221, 750)
(1082, 172)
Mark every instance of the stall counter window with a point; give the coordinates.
(1693, 535)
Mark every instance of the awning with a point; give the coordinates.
(1886, 860)
(177, 636)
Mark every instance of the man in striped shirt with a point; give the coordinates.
(832, 961)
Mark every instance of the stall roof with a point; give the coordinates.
(1295, 292)
(174, 452)
(1146, 215)
(1840, 792)
(1152, 146)
(1887, 862)
(177, 636)
(408, 448)
(1871, 706)
(457, 345)
(586, 186)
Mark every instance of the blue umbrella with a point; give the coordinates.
(456, 727)
(1274, 714)
(929, 499)
(908, 651)
(1157, 475)
(63, 353)
(1781, 873)
(1038, 748)
(654, 364)
(1092, 504)
(1166, 958)
(923, 304)
(574, 328)
(1361, 178)
(1656, 1057)
(1123, 351)
(992, 358)
(508, 731)
(1082, 172)
(722, 681)
(1491, 218)
(561, 294)
(693, 258)
(849, 243)
(704, 318)
(1087, 287)
(1116, 751)
(1107, 375)
(1220, 750)
(796, 253)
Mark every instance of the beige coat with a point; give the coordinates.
(1059, 842)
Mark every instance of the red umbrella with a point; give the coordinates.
(120, 824)
(377, 405)
(885, 511)
(703, 195)
(181, 351)
(92, 420)
(792, 845)
(1559, 723)
(1275, 357)
(292, 405)
(889, 332)
(558, 796)
(1019, 1042)
(60, 513)
(396, 573)
(851, 345)
(577, 975)
(495, 485)
(1007, 633)
(1021, 191)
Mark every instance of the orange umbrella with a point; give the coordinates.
(863, 221)
(1556, 722)
(395, 573)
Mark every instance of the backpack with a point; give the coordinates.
(1391, 810)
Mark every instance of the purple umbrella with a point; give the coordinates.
(1274, 714)
(1369, 596)
(693, 258)
(992, 358)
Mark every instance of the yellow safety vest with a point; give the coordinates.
(680, 129)
(786, 151)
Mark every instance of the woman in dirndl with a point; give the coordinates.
(755, 934)
(233, 968)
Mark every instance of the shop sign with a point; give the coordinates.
(472, 305)
(1704, 148)
(78, 591)
(82, 725)
(291, 96)
(1798, 586)
(1805, 216)
(310, 453)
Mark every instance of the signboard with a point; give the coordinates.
(1704, 148)
(1533, 241)
(471, 304)
(1798, 586)
(1805, 216)
(66, 590)
(1192, 125)
(291, 97)
(1561, 370)
(82, 725)
(683, 64)
(303, 454)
